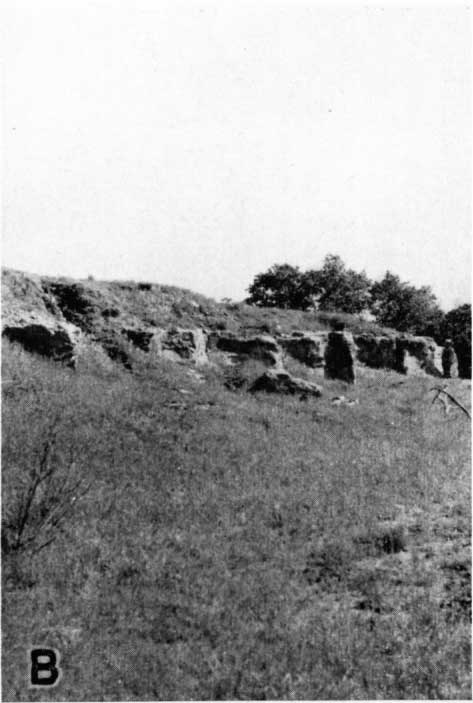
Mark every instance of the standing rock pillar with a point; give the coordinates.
(340, 356)
(449, 360)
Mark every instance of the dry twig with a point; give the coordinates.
(439, 390)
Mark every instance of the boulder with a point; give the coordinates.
(261, 347)
(278, 381)
(306, 347)
(46, 336)
(340, 356)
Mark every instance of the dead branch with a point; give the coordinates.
(440, 390)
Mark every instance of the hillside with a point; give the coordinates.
(101, 305)
(176, 537)
(70, 320)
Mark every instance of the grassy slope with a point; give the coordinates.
(229, 544)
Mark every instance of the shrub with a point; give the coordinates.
(43, 497)
(47, 447)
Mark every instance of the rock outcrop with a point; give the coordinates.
(438, 360)
(32, 318)
(180, 343)
(306, 347)
(433, 363)
(378, 352)
(142, 339)
(449, 360)
(23, 295)
(48, 315)
(278, 381)
(174, 344)
(45, 336)
(75, 304)
(416, 355)
(340, 355)
(406, 354)
(261, 347)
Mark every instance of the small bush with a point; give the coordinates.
(43, 497)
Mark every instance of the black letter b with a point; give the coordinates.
(44, 671)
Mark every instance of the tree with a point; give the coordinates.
(338, 288)
(406, 308)
(332, 288)
(281, 286)
(335, 288)
(457, 326)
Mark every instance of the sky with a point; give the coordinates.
(198, 143)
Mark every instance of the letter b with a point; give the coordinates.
(44, 667)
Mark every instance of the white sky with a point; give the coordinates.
(198, 143)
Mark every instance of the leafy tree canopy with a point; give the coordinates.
(338, 288)
(406, 308)
(281, 286)
(393, 302)
(332, 288)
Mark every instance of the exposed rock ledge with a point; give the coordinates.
(405, 354)
(58, 318)
(335, 354)
(46, 336)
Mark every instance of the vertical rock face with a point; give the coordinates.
(74, 303)
(377, 352)
(57, 340)
(262, 347)
(405, 354)
(31, 317)
(416, 355)
(173, 344)
(340, 357)
(306, 347)
(433, 362)
(186, 343)
(463, 352)
(438, 351)
(449, 360)
(142, 339)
